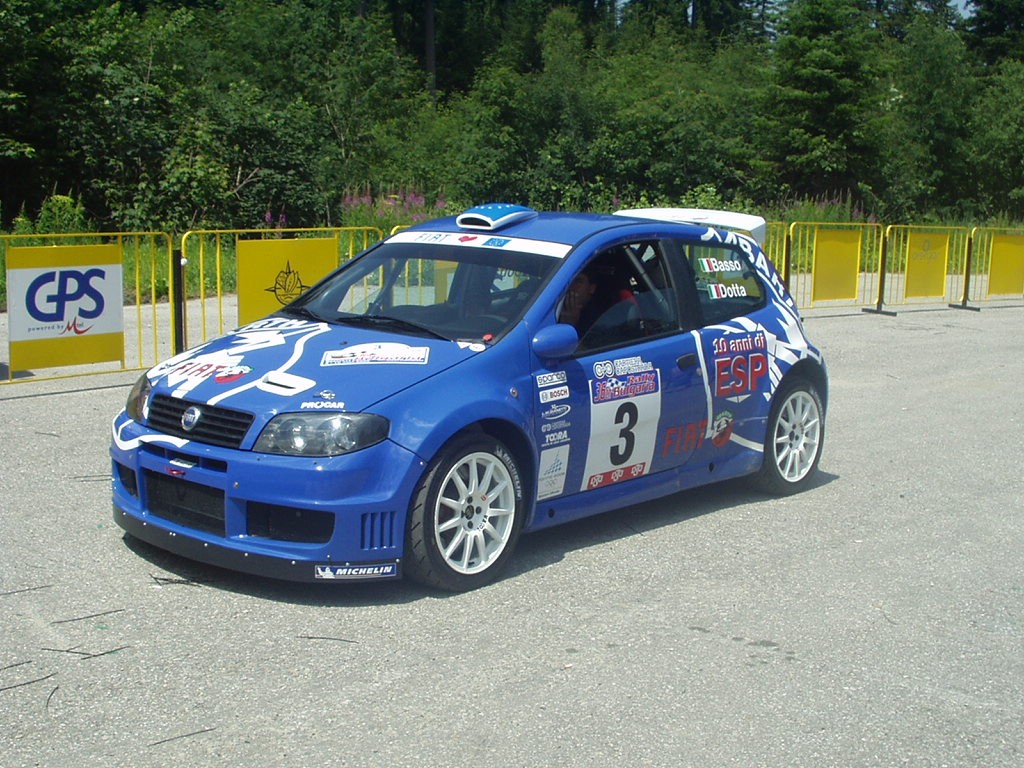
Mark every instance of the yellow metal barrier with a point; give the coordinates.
(995, 265)
(239, 275)
(77, 301)
(833, 264)
(924, 263)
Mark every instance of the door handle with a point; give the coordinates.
(687, 361)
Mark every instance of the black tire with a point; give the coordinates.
(461, 535)
(793, 440)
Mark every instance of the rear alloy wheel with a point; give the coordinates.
(793, 442)
(466, 515)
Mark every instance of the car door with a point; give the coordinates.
(631, 402)
(735, 347)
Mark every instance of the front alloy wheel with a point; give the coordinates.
(794, 440)
(466, 515)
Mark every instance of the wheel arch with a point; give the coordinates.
(814, 372)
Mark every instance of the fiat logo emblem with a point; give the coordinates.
(190, 418)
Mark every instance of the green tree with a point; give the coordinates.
(997, 132)
(995, 29)
(827, 66)
(923, 121)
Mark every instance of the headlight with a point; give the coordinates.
(137, 406)
(321, 434)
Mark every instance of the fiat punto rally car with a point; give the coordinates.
(468, 380)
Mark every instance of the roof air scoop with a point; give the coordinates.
(492, 216)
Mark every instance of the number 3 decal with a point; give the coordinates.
(629, 414)
(623, 427)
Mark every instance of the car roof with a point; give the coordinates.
(506, 220)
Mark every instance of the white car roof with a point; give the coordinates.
(753, 225)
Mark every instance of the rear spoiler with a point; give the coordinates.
(755, 226)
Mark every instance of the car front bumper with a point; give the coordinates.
(299, 519)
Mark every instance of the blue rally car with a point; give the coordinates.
(470, 379)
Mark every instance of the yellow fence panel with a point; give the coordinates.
(1006, 265)
(81, 299)
(833, 264)
(924, 263)
(229, 270)
(272, 273)
(927, 264)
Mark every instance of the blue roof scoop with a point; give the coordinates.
(492, 216)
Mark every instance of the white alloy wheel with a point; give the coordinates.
(474, 513)
(465, 516)
(795, 436)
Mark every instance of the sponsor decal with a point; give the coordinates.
(739, 374)
(748, 342)
(722, 291)
(555, 393)
(740, 363)
(551, 473)
(322, 405)
(472, 346)
(377, 353)
(684, 438)
(520, 244)
(556, 437)
(368, 571)
(616, 475)
(287, 286)
(556, 411)
(722, 428)
(634, 385)
(231, 374)
(626, 365)
(550, 379)
(562, 424)
(715, 265)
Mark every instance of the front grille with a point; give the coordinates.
(184, 502)
(270, 521)
(216, 426)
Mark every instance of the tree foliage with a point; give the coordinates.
(167, 114)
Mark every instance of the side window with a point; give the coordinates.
(624, 294)
(726, 283)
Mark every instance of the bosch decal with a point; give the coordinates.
(556, 393)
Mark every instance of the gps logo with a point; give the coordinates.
(71, 286)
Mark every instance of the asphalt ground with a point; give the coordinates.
(875, 620)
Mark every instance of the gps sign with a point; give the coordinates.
(64, 305)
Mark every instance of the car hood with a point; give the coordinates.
(285, 364)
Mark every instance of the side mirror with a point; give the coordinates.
(555, 342)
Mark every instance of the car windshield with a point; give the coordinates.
(453, 292)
